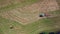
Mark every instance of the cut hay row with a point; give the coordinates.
(15, 4)
(34, 29)
(12, 16)
(4, 3)
(31, 13)
(17, 18)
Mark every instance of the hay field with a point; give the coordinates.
(23, 15)
(30, 13)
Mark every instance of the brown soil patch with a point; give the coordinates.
(31, 13)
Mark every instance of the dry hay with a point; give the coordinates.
(31, 13)
(4, 3)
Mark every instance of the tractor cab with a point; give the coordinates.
(42, 15)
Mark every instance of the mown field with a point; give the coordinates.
(4, 6)
(58, 1)
(46, 24)
(43, 25)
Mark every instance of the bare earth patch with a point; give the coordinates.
(28, 14)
